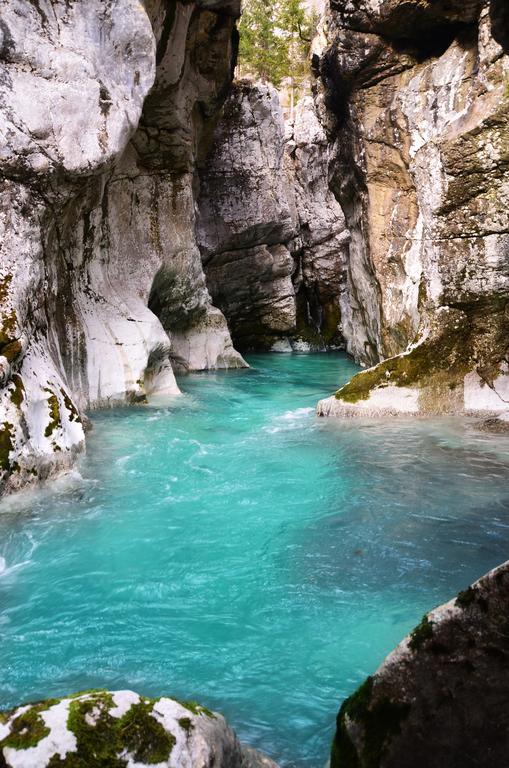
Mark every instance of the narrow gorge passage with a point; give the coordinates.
(235, 549)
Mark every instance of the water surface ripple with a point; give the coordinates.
(234, 549)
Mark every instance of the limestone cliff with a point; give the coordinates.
(418, 114)
(271, 233)
(440, 699)
(104, 110)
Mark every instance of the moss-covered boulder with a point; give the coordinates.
(102, 729)
(441, 698)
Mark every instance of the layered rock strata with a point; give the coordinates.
(121, 728)
(104, 109)
(271, 234)
(439, 699)
(418, 113)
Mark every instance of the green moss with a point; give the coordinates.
(12, 350)
(28, 729)
(186, 724)
(10, 347)
(97, 744)
(196, 709)
(5, 283)
(421, 634)
(71, 408)
(361, 386)
(448, 354)
(18, 393)
(102, 740)
(88, 692)
(378, 720)
(144, 737)
(54, 413)
(6, 445)
(7, 328)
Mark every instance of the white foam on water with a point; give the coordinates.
(289, 420)
(298, 413)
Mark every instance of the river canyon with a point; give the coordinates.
(254, 387)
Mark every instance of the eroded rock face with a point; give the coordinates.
(439, 699)
(419, 93)
(120, 728)
(271, 233)
(104, 110)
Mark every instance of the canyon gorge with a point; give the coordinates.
(160, 217)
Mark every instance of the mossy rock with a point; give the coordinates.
(54, 413)
(111, 730)
(459, 342)
(377, 719)
(27, 729)
(17, 390)
(6, 445)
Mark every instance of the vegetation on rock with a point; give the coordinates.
(275, 42)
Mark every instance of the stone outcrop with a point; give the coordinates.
(120, 728)
(418, 114)
(247, 217)
(439, 699)
(105, 108)
(272, 235)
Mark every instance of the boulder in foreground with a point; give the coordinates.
(120, 730)
(441, 698)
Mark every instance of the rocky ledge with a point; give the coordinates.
(440, 699)
(116, 729)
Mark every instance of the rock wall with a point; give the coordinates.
(439, 699)
(271, 234)
(105, 108)
(121, 728)
(418, 115)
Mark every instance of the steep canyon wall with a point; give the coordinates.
(271, 233)
(418, 115)
(104, 110)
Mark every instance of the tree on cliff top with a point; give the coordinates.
(261, 50)
(275, 41)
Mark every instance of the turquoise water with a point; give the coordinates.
(234, 549)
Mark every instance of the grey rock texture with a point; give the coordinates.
(271, 234)
(418, 116)
(440, 699)
(104, 110)
(320, 248)
(120, 728)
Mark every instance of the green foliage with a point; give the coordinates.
(275, 41)
(260, 50)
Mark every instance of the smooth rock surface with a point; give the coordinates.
(102, 289)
